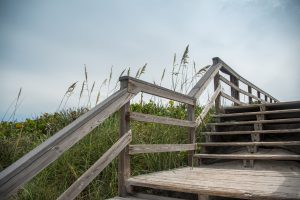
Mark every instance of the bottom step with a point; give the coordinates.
(249, 156)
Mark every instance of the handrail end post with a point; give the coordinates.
(216, 60)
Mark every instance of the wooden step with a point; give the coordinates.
(267, 105)
(248, 156)
(297, 130)
(272, 121)
(142, 196)
(232, 183)
(125, 198)
(281, 143)
(258, 113)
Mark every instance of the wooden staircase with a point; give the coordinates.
(251, 151)
(254, 132)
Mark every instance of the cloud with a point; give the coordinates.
(44, 45)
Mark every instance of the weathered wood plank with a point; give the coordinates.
(270, 121)
(161, 120)
(39, 158)
(201, 85)
(78, 186)
(157, 148)
(231, 98)
(250, 92)
(222, 78)
(155, 197)
(281, 143)
(228, 70)
(249, 156)
(192, 133)
(218, 98)
(157, 90)
(208, 106)
(282, 131)
(124, 170)
(245, 184)
(267, 112)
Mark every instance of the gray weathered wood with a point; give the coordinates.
(228, 70)
(218, 98)
(270, 121)
(237, 102)
(39, 158)
(78, 186)
(234, 92)
(281, 143)
(208, 106)
(250, 92)
(156, 148)
(268, 112)
(155, 197)
(161, 120)
(280, 131)
(192, 133)
(139, 85)
(232, 183)
(201, 85)
(249, 156)
(258, 95)
(124, 171)
(236, 88)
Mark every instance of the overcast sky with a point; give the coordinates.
(45, 44)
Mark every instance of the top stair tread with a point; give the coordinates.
(297, 130)
(279, 104)
(258, 113)
(271, 121)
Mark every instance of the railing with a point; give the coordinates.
(23, 170)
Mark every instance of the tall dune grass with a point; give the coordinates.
(18, 138)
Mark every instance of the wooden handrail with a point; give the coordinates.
(78, 186)
(201, 85)
(136, 85)
(39, 158)
(24, 169)
(222, 78)
(228, 70)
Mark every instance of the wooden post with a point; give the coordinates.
(218, 99)
(124, 159)
(234, 93)
(192, 132)
(250, 91)
(258, 95)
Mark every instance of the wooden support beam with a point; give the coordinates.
(192, 133)
(158, 148)
(235, 93)
(124, 159)
(250, 92)
(236, 102)
(258, 96)
(136, 85)
(78, 186)
(161, 120)
(218, 98)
